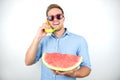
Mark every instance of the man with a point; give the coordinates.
(62, 41)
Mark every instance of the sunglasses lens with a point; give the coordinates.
(51, 18)
(59, 16)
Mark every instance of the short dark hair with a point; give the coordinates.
(53, 6)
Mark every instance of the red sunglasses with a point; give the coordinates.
(52, 17)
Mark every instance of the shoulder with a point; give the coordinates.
(45, 39)
(78, 39)
(76, 36)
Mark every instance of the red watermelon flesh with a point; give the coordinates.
(61, 62)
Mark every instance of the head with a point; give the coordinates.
(53, 6)
(55, 16)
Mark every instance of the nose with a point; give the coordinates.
(55, 19)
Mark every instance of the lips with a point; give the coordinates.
(56, 24)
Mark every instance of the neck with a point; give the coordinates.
(60, 32)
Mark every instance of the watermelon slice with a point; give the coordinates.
(61, 62)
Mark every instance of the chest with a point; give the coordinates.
(61, 45)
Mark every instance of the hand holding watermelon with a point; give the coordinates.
(71, 73)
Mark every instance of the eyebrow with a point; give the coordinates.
(55, 14)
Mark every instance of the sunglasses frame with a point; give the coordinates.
(57, 16)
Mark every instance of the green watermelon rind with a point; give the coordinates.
(61, 69)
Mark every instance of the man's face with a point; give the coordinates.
(55, 18)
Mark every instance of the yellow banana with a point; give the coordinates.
(49, 30)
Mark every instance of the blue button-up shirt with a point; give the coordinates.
(68, 43)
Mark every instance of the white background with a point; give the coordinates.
(97, 20)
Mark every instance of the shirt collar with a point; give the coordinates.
(65, 33)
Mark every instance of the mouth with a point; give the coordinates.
(56, 24)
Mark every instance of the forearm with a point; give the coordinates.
(76, 73)
(82, 72)
(31, 52)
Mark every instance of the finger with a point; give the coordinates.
(46, 25)
(55, 72)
